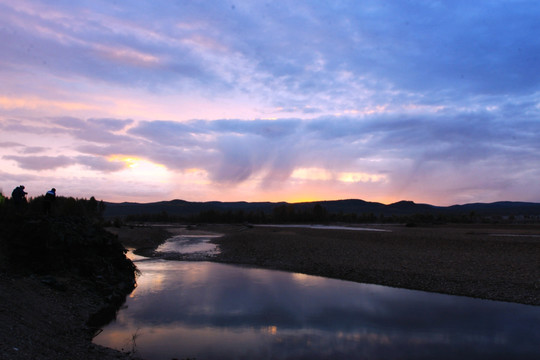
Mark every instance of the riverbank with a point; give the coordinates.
(489, 262)
(61, 279)
(47, 295)
(41, 322)
(497, 262)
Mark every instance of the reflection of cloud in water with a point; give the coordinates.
(213, 310)
(152, 280)
(187, 247)
(307, 280)
(272, 342)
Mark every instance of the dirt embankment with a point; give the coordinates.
(467, 261)
(60, 280)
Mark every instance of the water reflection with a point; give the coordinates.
(216, 311)
(188, 244)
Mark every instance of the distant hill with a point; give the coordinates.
(350, 206)
(184, 208)
(501, 208)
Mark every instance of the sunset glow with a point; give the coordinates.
(311, 174)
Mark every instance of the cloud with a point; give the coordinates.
(244, 148)
(26, 126)
(40, 162)
(386, 149)
(93, 130)
(78, 40)
(99, 163)
(168, 132)
(299, 58)
(34, 149)
(10, 144)
(442, 151)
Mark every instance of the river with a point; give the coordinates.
(205, 310)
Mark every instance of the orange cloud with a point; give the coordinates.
(312, 173)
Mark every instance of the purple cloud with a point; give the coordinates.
(40, 162)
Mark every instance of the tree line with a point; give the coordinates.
(293, 214)
(61, 206)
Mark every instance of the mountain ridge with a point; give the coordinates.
(180, 207)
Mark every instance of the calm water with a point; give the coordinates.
(207, 310)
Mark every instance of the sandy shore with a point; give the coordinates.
(489, 262)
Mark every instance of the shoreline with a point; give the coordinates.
(493, 262)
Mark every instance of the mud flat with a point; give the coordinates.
(489, 262)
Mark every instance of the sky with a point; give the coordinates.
(431, 101)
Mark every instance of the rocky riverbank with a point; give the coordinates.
(60, 280)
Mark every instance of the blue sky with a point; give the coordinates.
(431, 101)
